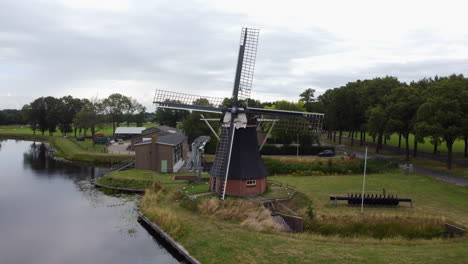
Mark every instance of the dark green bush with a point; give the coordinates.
(277, 167)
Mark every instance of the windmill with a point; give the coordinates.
(238, 168)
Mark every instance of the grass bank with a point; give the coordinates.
(224, 237)
(69, 150)
(141, 179)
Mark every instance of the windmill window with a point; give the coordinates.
(251, 182)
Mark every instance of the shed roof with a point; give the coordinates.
(170, 129)
(129, 130)
(169, 139)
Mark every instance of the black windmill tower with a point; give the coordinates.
(238, 162)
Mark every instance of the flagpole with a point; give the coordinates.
(364, 182)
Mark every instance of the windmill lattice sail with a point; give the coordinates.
(249, 43)
(183, 101)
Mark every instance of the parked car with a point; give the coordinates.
(80, 138)
(327, 153)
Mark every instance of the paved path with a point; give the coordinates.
(435, 174)
(116, 148)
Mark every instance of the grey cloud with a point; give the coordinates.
(49, 49)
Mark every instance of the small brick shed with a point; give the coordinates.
(164, 152)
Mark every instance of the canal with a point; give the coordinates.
(51, 213)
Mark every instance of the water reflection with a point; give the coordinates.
(51, 213)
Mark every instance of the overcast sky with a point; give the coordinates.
(89, 48)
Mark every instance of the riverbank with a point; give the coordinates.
(70, 151)
(221, 236)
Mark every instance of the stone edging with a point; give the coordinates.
(176, 249)
(129, 190)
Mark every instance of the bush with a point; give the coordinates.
(311, 167)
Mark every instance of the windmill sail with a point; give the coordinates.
(246, 63)
(182, 101)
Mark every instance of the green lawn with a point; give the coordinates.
(106, 129)
(197, 188)
(69, 150)
(212, 240)
(140, 179)
(87, 145)
(458, 146)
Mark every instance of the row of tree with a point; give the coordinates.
(11, 117)
(435, 108)
(70, 114)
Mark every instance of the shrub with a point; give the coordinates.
(164, 217)
(252, 215)
(310, 167)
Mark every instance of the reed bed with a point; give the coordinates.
(378, 226)
(251, 215)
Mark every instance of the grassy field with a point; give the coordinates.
(69, 150)
(458, 146)
(106, 129)
(87, 145)
(228, 241)
(140, 179)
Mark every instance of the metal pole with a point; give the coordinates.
(268, 133)
(211, 128)
(364, 182)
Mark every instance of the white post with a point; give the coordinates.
(364, 182)
(297, 146)
(228, 164)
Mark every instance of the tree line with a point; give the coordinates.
(434, 108)
(70, 115)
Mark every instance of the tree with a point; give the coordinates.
(69, 108)
(130, 108)
(53, 112)
(114, 106)
(403, 103)
(26, 112)
(38, 114)
(193, 127)
(442, 112)
(377, 124)
(286, 136)
(307, 97)
(90, 117)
